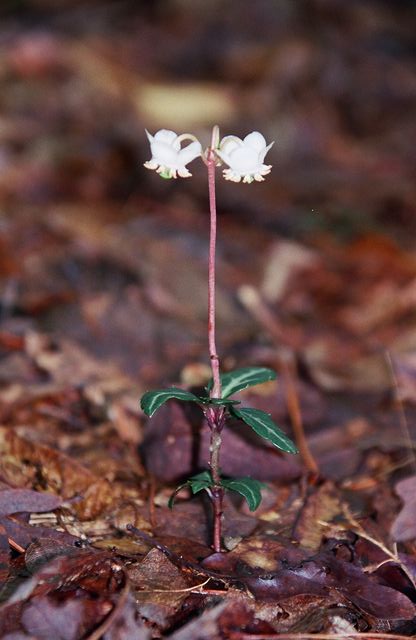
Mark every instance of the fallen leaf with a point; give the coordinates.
(160, 588)
(404, 525)
(26, 500)
(23, 533)
(54, 471)
(319, 509)
(45, 620)
(66, 598)
(205, 627)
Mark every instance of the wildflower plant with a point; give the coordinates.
(245, 162)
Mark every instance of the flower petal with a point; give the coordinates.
(151, 164)
(184, 173)
(244, 160)
(149, 136)
(164, 154)
(165, 135)
(223, 156)
(229, 143)
(248, 179)
(231, 175)
(262, 154)
(190, 152)
(255, 140)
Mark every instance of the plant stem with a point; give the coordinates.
(215, 419)
(214, 415)
(217, 498)
(214, 360)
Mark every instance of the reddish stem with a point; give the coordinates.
(217, 497)
(215, 364)
(214, 415)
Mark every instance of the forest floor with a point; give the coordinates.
(103, 296)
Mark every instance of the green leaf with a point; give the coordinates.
(152, 400)
(240, 379)
(200, 481)
(219, 402)
(197, 483)
(249, 488)
(261, 423)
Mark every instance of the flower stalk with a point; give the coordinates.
(214, 415)
(214, 359)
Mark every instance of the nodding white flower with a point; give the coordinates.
(245, 157)
(168, 159)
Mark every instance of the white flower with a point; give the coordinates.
(167, 156)
(245, 157)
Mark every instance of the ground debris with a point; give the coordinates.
(103, 296)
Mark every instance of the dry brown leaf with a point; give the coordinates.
(160, 587)
(319, 509)
(28, 464)
(404, 525)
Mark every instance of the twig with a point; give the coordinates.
(252, 300)
(15, 545)
(195, 587)
(114, 613)
(151, 499)
(399, 404)
(292, 399)
(236, 635)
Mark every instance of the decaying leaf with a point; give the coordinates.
(103, 296)
(321, 575)
(25, 463)
(160, 588)
(70, 596)
(319, 509)
(404, 525)
(26, 500)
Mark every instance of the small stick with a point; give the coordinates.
(112, 616)
(237, 635)
(195, 587)
(14, 545)
(399, 404)
(292, 399)
(152, 510)
(254, 303)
